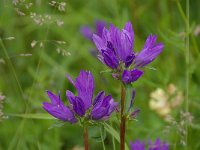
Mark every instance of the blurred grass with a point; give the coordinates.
(46, 68)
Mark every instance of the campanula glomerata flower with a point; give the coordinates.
(137, 145)
(116, 50)
(82, 105)
(57, 109)
(157, 145)
(87, 32)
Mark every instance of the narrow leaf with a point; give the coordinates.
(114, 133)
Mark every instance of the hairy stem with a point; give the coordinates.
(123, 119)
(85, 135)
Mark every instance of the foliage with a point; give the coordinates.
(41, 42)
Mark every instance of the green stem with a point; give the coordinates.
(12, 68)
(123, 118)
(187, 61)
(102, 140)
(113, 140)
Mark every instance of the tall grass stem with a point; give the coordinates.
(187, 61)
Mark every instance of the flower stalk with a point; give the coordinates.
(123, 118)
(85, 136)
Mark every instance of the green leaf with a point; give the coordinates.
(32, 116)
(57, 124)
(95, 134)
(114, 133)
(129, 91)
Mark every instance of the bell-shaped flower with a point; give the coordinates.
(57, 109)
(119, 42)
(149, 52)
(137, 145)
(87, 32)
(131, 76)
(116, 51)
(157, 145)
(81, 105)
(102, 106)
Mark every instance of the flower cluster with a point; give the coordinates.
(116, 51)
(81, 107)
(158, 145)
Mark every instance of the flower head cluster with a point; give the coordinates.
(81, 107)
(116, 51)
(87, 32)
(157, 145)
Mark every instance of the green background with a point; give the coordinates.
(24, 79)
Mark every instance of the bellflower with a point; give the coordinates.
(57, 109)
(116, 51)
(158, 145)
(101, 107)
(137, 145)
(87, 32)
(82, 105)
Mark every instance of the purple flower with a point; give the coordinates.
(82, 104)
(158, 145)
(149, 52)
(57, 109)
(87, 32)
(137, 145)
(131, 76)
(102, 106)
(120, 43)
(116, 51)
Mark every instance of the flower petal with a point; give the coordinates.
(103, 107)
(78, 106)
(137, 145)
(100, 44)
(128, 27)
(129, 60)
(131, 76)
(86, 32)
(85, 87)
(58, 109)
(123, 42)
(99, 27)
(149, 52)
(110, 58)
(99, 97)
(99, 113)
(70, 80)
(70, 96)
(54, 99)
(158, 145)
